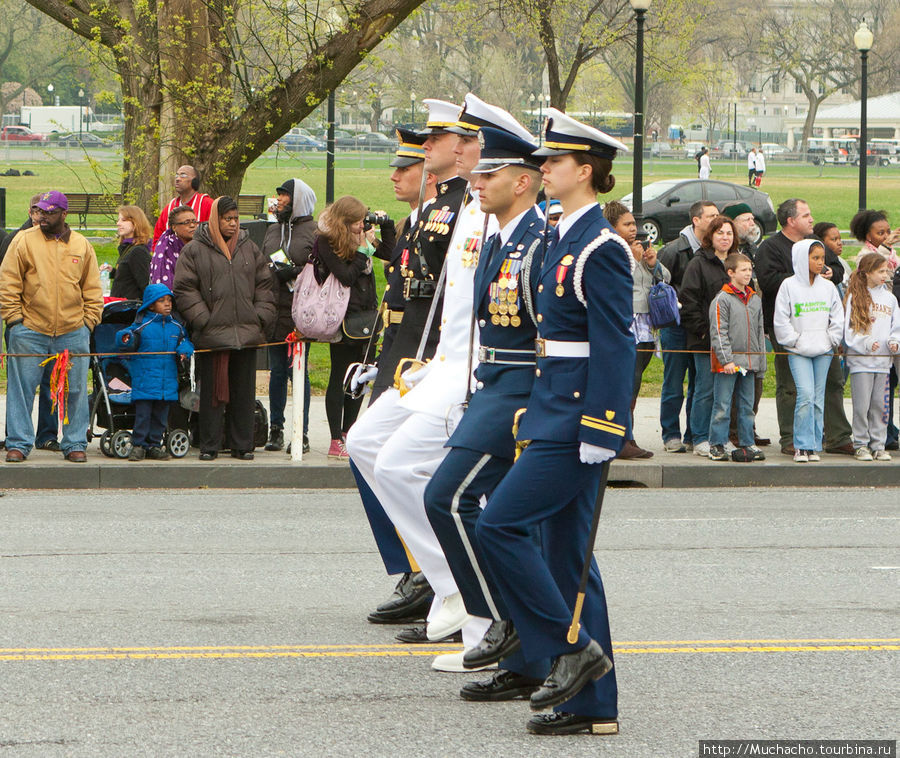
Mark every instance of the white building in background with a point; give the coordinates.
(882, 119)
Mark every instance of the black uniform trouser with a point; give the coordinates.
(241, 402)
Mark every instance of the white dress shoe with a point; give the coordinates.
(449, 619)
(453, 663)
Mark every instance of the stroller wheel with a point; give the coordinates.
(104, 444)
(121, 444)
(178, 443)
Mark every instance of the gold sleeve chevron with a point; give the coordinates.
(603, 425)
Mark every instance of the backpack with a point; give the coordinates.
(318, 309)
(663, 302)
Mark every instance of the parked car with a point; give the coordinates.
(341, 138)
(726, 148)
(20, 134)
(376, 141)
(692, 148)
(85, 139)
(770, 149)
(298, 142)
(666, 205)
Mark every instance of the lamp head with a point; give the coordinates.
(863, 38)
(640, 5)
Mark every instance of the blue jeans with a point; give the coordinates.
(809, 412)
(675, 366)
(723, 389)
(150, 419)
(279, 373)
(701, 410)
(24, 376)
(48, 423)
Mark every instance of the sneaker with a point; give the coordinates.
(276, 439)
(863, 454)
(758, 455)
(137, 454)
(800, 456)
(158, 453)
(337, 451)
(743, 455)
(305, 444)
(881, 455)
(730, 446)
(813, 456)
(689, 447)
(702, 449)
(674, 445)
(49, 445)
(718, 453)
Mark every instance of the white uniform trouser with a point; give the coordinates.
(397, 452)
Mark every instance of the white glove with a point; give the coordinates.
(363, 375)
(412, 376)
(594, 454)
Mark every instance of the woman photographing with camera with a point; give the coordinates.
(343, 247)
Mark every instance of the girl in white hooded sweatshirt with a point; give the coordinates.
(809, 323)
(872, 337)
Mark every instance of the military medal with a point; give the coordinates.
(515, 320)
(513, 309)
(503, 308)
(495, 319)
(561, 270)
(504, 320)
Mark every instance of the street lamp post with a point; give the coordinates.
(637, 208)
(80, 111)
(863, 40)
(412, 109)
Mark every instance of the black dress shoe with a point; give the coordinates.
(500, 641)
(504, 685)
(410, 602)
(416, 635)
(242, 455)
(208, 455)
(568, 723)
(569, 673)
(892, 445)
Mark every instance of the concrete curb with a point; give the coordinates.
(833, 471)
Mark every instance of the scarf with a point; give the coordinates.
(228, 247)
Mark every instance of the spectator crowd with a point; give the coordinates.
(201, 283)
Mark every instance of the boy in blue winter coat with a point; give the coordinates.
(154, 378)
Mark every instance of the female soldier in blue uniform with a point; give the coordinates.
(576, 417)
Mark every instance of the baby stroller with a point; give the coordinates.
(111, 406)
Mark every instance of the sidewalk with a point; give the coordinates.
(45, 470)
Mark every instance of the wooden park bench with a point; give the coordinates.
(86, 204)
(93, 204)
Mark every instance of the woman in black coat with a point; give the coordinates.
(131, 274)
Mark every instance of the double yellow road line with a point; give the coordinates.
(645, 647)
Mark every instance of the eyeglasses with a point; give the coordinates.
(192, 222)
(182, 175)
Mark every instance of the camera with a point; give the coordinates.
(375, 219)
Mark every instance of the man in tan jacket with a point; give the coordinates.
(50, 297)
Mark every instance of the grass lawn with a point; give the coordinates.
(830, 190)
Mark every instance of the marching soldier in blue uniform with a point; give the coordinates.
(412, 596)
(576, 418)
(482, 447)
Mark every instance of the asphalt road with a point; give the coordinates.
(231, 623)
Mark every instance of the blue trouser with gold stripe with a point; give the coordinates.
(549, 488)
(453, 506)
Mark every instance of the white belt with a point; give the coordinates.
(558, 349)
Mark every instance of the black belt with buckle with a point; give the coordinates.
(413, 288)
(507, 357)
